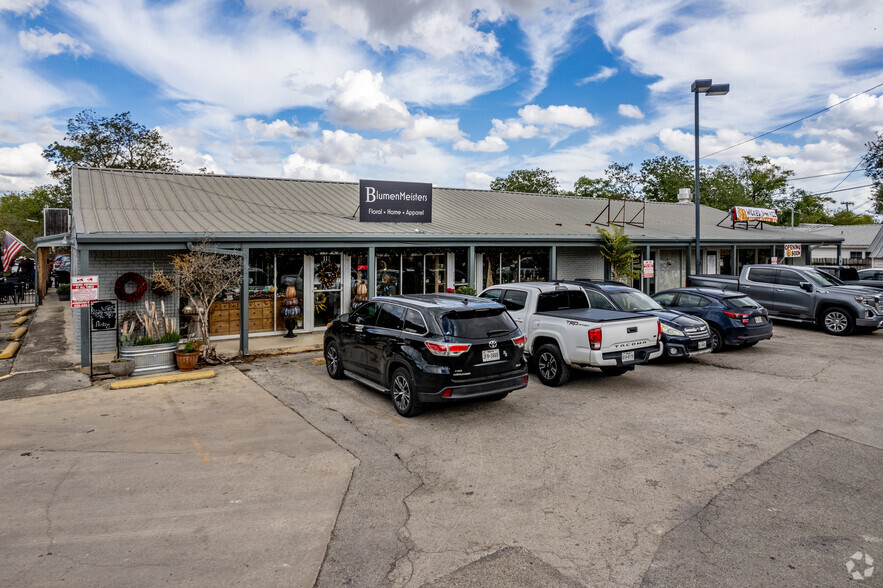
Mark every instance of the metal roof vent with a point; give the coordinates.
(684, 196)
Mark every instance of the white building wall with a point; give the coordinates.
(580, 262)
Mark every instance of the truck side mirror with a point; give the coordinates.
(806, 286)
(344, 318)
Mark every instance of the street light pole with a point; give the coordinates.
(709, 89)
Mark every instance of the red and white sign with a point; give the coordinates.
(84, 289)
(745, 214)
(792, 250)
(774, 260)
(648, 268)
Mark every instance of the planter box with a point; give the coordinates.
(151, 359)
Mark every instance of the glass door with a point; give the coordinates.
(327, 284)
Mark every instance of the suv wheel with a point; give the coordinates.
(551, 367)
(332, 361)
(404, 396)
(837, 321)
(717, 339)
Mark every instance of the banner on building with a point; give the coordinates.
(84, 289)
(792, 250)
(748, 214)
(394, 202)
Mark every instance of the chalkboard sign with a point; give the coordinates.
(104, 315)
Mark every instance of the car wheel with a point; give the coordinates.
(837, 321)
(614, 371)
(332, 361)
(404, 395)
(551, 367)
(717, 339)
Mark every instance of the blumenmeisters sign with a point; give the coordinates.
(394, 202)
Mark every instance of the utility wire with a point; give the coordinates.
(791, 123)
(844, 178)
(841, 190)
(823, 175)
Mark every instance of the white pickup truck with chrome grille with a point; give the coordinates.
(563, 331)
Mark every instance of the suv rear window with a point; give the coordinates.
(562, 300)
(477, 324)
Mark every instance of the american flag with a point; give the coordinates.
(11, 247)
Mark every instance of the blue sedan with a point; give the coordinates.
(734, 318)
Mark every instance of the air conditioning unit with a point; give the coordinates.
(56, 221)
(684, 196)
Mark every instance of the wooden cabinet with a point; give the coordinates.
(224, 318)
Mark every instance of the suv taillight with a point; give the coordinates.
(447, 349)
(739, 316)
(595, 338)
(519, 341)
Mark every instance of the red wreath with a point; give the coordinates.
(140, 287)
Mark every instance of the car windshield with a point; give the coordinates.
(822, 278)
(634, 301)
(477, 324)
(741, 302)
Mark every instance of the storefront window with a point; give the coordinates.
(461, 267)
(388, 267)
(507, 267)
(435, 279)
(326, 289)
(412, 274)
(534, 268)
(746, 257)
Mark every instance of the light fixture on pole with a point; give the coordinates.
(709, 89)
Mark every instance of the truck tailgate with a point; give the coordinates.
(620, 331)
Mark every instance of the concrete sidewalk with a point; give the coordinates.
(211, 482)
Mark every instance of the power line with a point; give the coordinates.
(844, 179)
(823, 175)
(791, 123)
(842, 190)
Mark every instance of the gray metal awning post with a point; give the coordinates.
(85, 326)
(470, 268)
(372, 272)
(243, 305)
(553, 263)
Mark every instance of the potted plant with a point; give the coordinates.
(188, 356)
(154, 350)
(121, 368)
(63, 291)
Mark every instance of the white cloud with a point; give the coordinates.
(571, 116)
(42, 43)
(630, 111)
(513, 129)
(296, 166)
(22, 167)
(31, 7)
(278, 128)
(487, 145)
(359, 102)
(478, 180)
(423, 126)
(603, 75)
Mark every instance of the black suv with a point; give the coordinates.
(428, 348)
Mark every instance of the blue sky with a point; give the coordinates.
(454, 93)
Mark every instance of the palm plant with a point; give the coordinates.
(617, 248)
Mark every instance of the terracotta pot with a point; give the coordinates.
(187, 361)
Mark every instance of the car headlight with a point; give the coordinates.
(869, 300)
(672, 331)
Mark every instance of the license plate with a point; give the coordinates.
(702, 344)
(490, 355)
(628, 356)
(758, 319)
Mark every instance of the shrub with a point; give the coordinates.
(63, 289)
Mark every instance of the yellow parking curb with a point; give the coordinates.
(10, 350)
(19, 321)
(17, 334)
(171, 378)
(6, 376)
(25, 311)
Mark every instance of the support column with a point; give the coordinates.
(372, 272)
(839, 253)
(470, 268)
(553, 264)
(83, 313)
(734, 262)
(243, 305)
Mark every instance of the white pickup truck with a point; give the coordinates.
(563, 331)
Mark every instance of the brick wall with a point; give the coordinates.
(110, 265)
(580, 262)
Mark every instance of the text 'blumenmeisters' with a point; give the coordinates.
(371, 195)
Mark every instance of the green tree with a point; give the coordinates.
(589, 188)
(720, 187)
(115, 142)
(873, 164)
(764, 181)
(847, 217)
(623, 181)
(662, 177)
(535, 181)
(808, 208)
(617, 248)
(21, 213)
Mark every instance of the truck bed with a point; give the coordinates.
(596, 315)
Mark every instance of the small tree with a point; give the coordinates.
(202, 276)
(618, 249)
(535, 181)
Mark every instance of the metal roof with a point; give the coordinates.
(852, 235)
(112, 205)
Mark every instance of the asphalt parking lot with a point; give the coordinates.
(760, 465)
